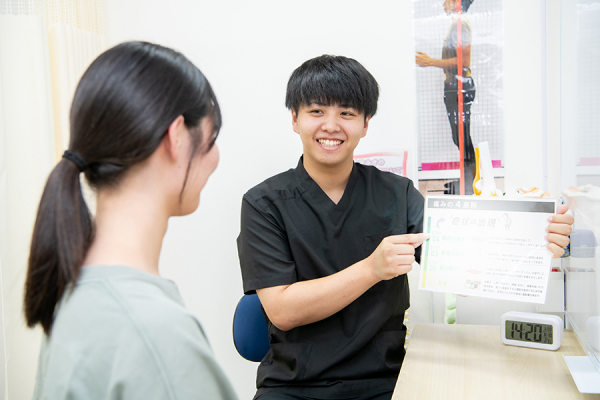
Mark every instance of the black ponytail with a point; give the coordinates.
(61, 237)
(121, 111)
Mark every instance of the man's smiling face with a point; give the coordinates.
(330, 133)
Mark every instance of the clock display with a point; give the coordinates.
(529, 332)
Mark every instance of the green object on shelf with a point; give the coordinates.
(450, 316)
(450, 312)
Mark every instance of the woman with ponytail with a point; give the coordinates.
(144, 121)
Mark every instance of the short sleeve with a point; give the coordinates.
(187, 361)
(165, 354)
(263, 247)
(168, 357)
(415, 207)
(465, 36)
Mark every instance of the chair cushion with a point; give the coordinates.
(250, 332)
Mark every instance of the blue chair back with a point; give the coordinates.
(250, 331)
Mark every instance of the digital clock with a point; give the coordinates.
(537, 331)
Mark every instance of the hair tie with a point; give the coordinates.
(76, 159)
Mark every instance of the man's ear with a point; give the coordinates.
(173, 139)
(364, 132)
(295, 121)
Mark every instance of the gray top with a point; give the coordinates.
(126, 334)
(450, 45)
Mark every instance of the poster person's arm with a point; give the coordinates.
(559, 230)
(423, 60)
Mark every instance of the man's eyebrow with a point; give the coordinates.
(322, 104)
(358, 110)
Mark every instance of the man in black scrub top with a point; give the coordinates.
(327, 246)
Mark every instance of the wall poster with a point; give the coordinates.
(441, 42)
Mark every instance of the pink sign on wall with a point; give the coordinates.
(389, 162)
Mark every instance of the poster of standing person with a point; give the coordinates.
(441, 42)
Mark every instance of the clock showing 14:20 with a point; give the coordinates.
(537, 331)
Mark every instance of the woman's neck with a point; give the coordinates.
(129, 229)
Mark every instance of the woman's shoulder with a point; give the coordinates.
(173, 338)
(119, 305)
(134, 328)
(149, 303)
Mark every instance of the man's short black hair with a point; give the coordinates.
(329, 80)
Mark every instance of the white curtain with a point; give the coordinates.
(44, 48)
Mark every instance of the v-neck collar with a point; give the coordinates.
(320, 198)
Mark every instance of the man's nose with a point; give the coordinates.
(331, 124)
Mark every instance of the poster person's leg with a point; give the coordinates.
(469, 156)
(451, 102)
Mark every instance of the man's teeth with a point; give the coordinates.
(330, 143)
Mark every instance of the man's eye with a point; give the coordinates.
(347, 113)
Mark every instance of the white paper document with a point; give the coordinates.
(487, 247)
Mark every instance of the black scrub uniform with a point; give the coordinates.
(291, 231)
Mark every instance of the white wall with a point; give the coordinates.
(248, 50)
(553, 95)
(523, 117)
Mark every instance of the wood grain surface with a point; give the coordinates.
(471, 362)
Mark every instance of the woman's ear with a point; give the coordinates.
(173, 140)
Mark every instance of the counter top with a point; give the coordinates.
(471, 362)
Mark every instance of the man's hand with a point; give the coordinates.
(394, 255)
(558, 231)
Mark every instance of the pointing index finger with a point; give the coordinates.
(414, 239)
